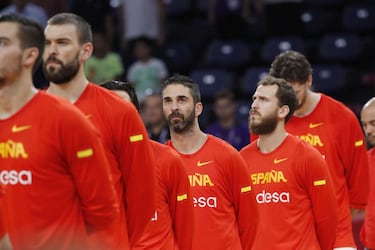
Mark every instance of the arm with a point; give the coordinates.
(368, 228)
(352, 149)
(122, 26)
(323, 198)
(245, 13)
(211, 7)
(138, 169)
(162, 8)
(89, 169)
(5, 242)
(4, 238)
(180, 206)
(243, 199)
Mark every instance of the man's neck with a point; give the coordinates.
(310, 104)
(269, 142)
(14, 96)
(189, 142)
(71, 90)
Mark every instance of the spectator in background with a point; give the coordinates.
(143, 18)
(98, 13)
(52, 7)
(277, 23)
(29, 10)
(368, 123)
(152, 114)
(227, 127)
(333, 129)
(230, 17)
(104, 64)
(147, 72)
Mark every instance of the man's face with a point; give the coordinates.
(263, 115)
(10, 53)
(224, 109)
(61, 58)
(368, 123)
(153, 110)
(178, 108)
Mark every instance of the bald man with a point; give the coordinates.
(368, 123)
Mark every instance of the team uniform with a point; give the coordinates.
(225, 213)
(171, 228)
(57, 183)
(295, 196)
(368, 229)
(335, 131)
(129, 153)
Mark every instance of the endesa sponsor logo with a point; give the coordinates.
(275, 197)
(14, 177)
(205, 201)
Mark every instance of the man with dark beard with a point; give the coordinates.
(294, 190)
(68, 45)
(225, 212)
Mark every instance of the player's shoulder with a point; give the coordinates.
(302, 148)
(164, 150)
(55, 104)
(336, 107)
(250, 147)
(108, 99)
(217, 146)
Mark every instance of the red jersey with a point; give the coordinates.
(335, 131)
(225, 212)
(171, 227)
(368, 229)
(295, 196)
(57, 182)
(129, 153)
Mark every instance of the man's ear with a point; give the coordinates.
(198, 109)
(309, 81)
(30, 56)
(283, 111)
(86, 51)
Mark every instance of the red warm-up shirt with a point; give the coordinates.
(130, 156)
(58, 187)
(368, 228)
(334, 130)
(225, 212)
(172, 225)
(295, 196)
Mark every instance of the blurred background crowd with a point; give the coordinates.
(226, 46)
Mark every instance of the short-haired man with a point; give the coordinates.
(294, 190)
(172, 225)
(225, 211)
(334, 130)
(68, 45)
